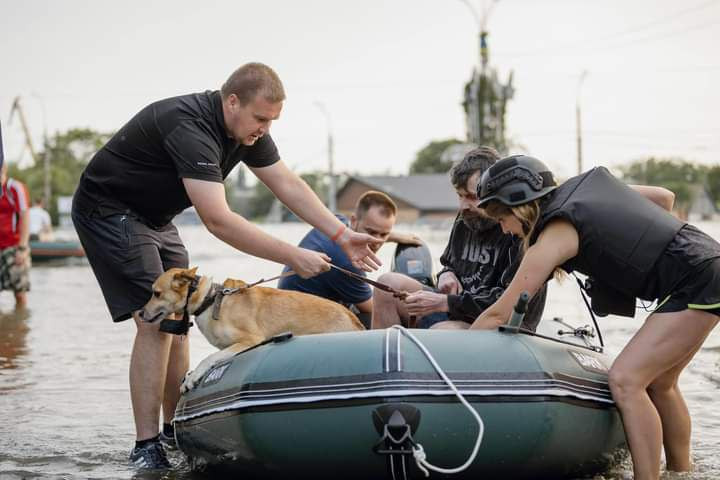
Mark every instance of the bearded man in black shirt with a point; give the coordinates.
(478, 264)
(173, 154)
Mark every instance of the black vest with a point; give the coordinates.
(622, 234)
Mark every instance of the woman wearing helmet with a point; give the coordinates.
(619, 235)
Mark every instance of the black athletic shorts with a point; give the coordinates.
(699, 291)
(690, 271)
(127, 256)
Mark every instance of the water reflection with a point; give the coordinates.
(13, 333)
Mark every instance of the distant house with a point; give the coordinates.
(426, 198)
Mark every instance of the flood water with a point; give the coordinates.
(64, 396)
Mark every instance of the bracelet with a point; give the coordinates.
(22, 248)
(339, 232)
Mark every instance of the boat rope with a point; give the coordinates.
(418, 451)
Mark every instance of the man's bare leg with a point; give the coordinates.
(178, 365)
(451, 325)
(387, 309)
(148, 370)
(20, 300)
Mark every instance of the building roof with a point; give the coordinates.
(426, 192)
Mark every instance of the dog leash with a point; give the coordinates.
(230, 291)
(381, 286)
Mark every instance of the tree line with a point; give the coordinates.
(70, 151)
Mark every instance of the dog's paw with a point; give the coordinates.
(189, 382)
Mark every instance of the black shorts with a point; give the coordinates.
(127, 256)
(700, 290)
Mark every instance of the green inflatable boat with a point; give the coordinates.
(370, 405)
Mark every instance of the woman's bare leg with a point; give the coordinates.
(662, 343)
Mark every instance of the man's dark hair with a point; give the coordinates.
(252, 79)
(480, 159)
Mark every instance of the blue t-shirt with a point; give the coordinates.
(333, 284)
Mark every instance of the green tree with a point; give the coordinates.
(263, 198)
(712, 179)
(675, 174)
(429, 158)
(69, 153)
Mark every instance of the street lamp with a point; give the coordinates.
(578, 132)
(332, 189)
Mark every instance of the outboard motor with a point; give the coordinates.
(414, 261)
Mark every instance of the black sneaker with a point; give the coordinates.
(168, 441)
(151, 456)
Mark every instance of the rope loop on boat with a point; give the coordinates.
(418, 451)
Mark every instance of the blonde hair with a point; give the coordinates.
(251, 80)
(528, 215)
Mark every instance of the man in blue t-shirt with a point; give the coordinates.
(375, 214)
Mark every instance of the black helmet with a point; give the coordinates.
(515, 180)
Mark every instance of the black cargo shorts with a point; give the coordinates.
(127, 256)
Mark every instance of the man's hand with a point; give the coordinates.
(357, 247)
(423, 303)
(449, 284)
(405, 238)
(308, 263)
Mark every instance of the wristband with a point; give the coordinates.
(339, 232)
(22, 248)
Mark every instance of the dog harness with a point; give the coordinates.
(214, 297)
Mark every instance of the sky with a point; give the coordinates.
(384, 76)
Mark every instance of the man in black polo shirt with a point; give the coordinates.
(173, 154)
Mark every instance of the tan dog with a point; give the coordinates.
(246, 317)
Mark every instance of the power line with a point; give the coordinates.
(640, 28)
(578, 45)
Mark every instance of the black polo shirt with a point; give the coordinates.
(142, 166)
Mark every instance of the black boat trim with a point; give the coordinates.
(401, 384)
(188, 421)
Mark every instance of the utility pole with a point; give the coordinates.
(16, 107)
(486, 97)
(46, 155)
(578, 126)
(476, 116)
(332, 186)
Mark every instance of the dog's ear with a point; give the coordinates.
(183, 277)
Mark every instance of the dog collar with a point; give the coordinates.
(208, 300)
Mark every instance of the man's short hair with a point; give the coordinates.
(372, 198)
(479, 159)
(252, 79)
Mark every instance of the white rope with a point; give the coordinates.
(418, 451)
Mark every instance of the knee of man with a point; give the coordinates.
(389, 278)
(144, 326)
